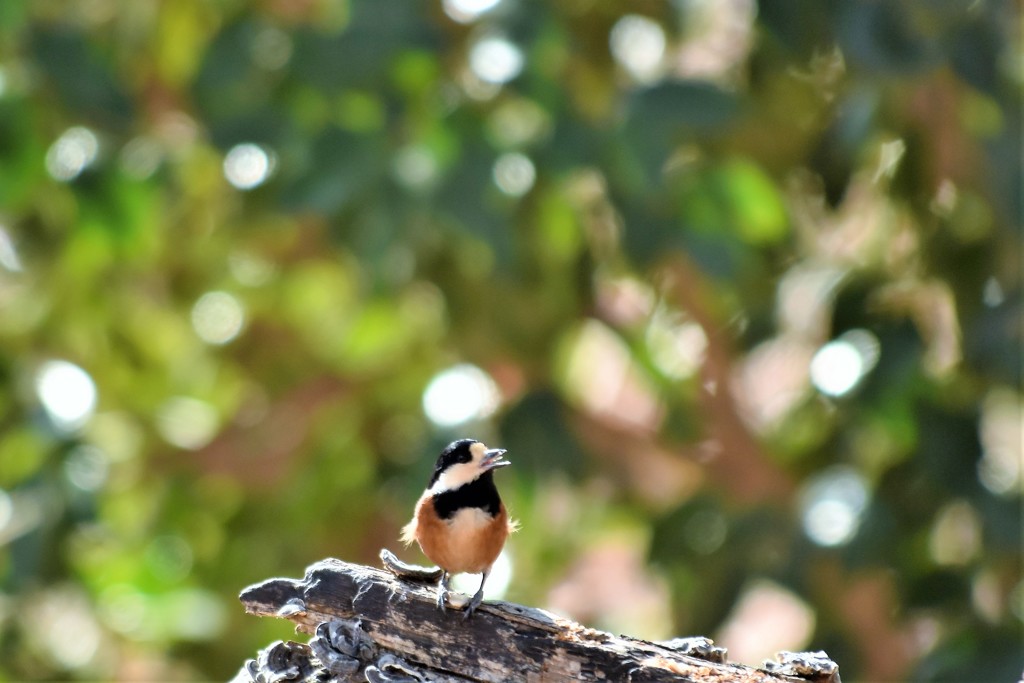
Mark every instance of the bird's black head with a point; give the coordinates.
(463, 461)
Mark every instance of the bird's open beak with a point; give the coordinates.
(492, 459)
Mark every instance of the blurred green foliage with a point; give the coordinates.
(258, 229)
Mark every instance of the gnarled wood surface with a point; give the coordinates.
(370, 625)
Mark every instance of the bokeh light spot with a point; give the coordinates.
(466, 11)
(415, 167)
(459, 395)
(514, 174)
(195, 614)
(677, 346)
(67, 394)
(1002, 423)
(248, 166)
(169, 558)
(141, 157)
(67, 630)
(766, 618)
(602, 377)
(840, 365)
(86, 468)
(73, 152)
(217, 317)
(9, 258)
(123, 608)
(956, 534)
(495, 59)
(638, 45)
(517, 122)
(832, 505)
(705, 531)
(1017, 600)
(993, 295)
(271, 48)
(74, 639)
(250, 269)
(889, 156)
(187, 422)
(6, 510)
(498, 579)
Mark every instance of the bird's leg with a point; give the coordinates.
(442, 590)
(477, 599)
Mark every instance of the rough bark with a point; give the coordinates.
(372, 625)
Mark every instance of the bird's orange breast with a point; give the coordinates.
(469, 541)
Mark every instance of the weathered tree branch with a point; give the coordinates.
(372, 625)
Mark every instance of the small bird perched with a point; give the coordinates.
(460, 522)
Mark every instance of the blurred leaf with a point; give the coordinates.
(184, 30)
(20, 148)
(22, 453)
(535, 429)
(376, 338)
(559, 231)
(82, 78)
(735, 196)
(801, 25)
(661, 117)
(340, 167)
(663, 111)
(362, 53)
(886, 36)
(974, 54)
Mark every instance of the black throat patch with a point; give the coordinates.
(479, 493)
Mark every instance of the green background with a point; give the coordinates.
(644, 260)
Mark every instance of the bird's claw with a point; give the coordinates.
(473, 604)
(442, 591)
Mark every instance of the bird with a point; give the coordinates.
(460, 522)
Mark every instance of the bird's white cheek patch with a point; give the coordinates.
(477, 450)
(456, 476)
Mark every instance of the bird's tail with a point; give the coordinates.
(409, 532)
